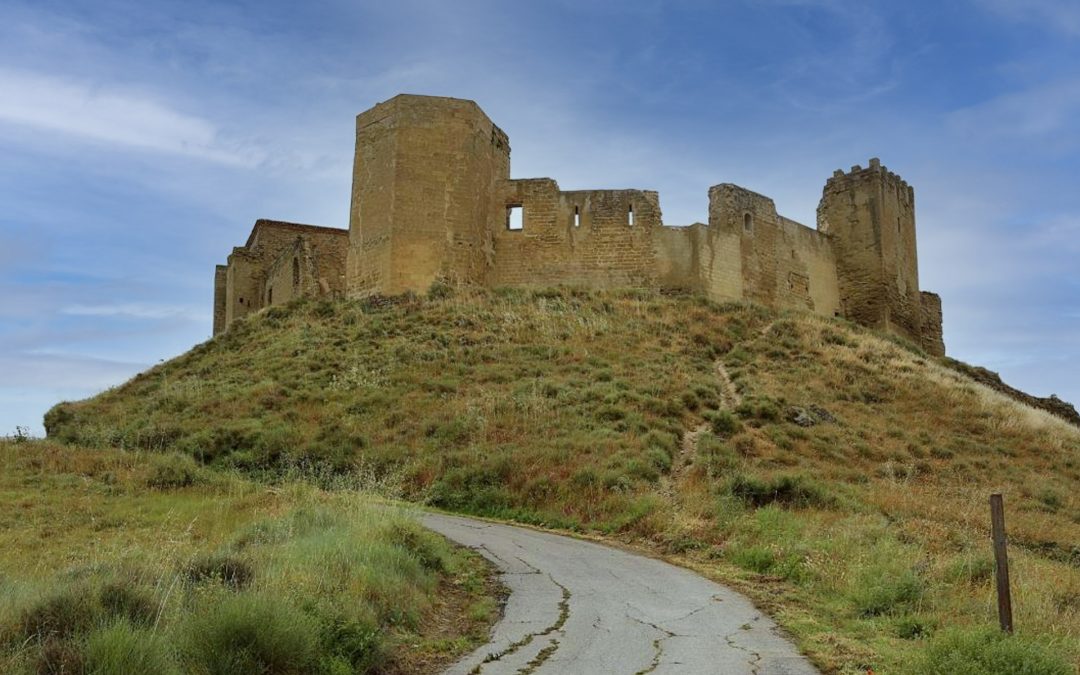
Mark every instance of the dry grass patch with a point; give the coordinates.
(114, 562)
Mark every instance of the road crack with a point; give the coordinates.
(755, 657)
(658, 644)
(546, 652)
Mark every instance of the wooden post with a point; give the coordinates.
(1001, 563)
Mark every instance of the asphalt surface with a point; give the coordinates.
(578, 607)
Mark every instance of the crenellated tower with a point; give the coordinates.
(870, 215)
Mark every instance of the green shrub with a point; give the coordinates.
(173, 471)
(715, 455)
(754, 558)
(122, 599)
(911, 628)
(249, 633)
(881, 590)
(354, 645)
(973, 568)
(1050, 501)
(793, 491)
(428, 548)
(762, 409)
(61, 657)
(121, 649)
(66, 612)
(440, 289)
(724, 424)
(224, 568)
(986, 651)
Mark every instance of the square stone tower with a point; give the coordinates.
(870, 215)
(426, 180)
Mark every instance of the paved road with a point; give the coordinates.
(581, 608)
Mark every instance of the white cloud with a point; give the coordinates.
(1055, 15)
(112, 116)
(138, 310)
(1038, 112)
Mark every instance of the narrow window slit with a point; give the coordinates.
(577, 216)
(631, 215)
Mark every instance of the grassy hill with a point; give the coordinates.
(117, 562)
(838, 477)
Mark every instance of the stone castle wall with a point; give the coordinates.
(600, 238)
(279, 262)
(432, 200)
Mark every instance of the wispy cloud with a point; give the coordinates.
(113, 116)
(1054, 15)
(137, 310)
(1035, 113)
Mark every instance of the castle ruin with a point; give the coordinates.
(433, 201)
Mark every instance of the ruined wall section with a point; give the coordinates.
(931, 338)
(597, 238)
(221, 274)
(260, 273)
(678, 251)
(312, 266)
(425, 192)
(756, 254)
(243, 284)
(870, 215)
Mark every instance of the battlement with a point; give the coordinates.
(842, 181)
(433, 201)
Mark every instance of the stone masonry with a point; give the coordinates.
(433, 202)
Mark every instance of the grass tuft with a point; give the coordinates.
(987, 651)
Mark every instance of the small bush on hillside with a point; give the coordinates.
(912, 628)
(354, 645)
(172, 471)
(724, 424)
(764, 560)
(716, 456)
(428, 548)
(249, 633)
(120, 598)
(986, 651)
(1050, 501)
(886, 588)
(762, 409)
(62, 614)
(21, 435)
(121, 648)
(60, 657)
(478, 489)
(793, 491)
(226, 569)
(973, 568)
(754, 558)
(439, 290)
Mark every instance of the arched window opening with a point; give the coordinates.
(577, 216)
(296, 272)
(630, 215)
(748, 222)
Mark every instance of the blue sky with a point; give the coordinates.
(140, 140)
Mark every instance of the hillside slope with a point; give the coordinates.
(839, 478)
